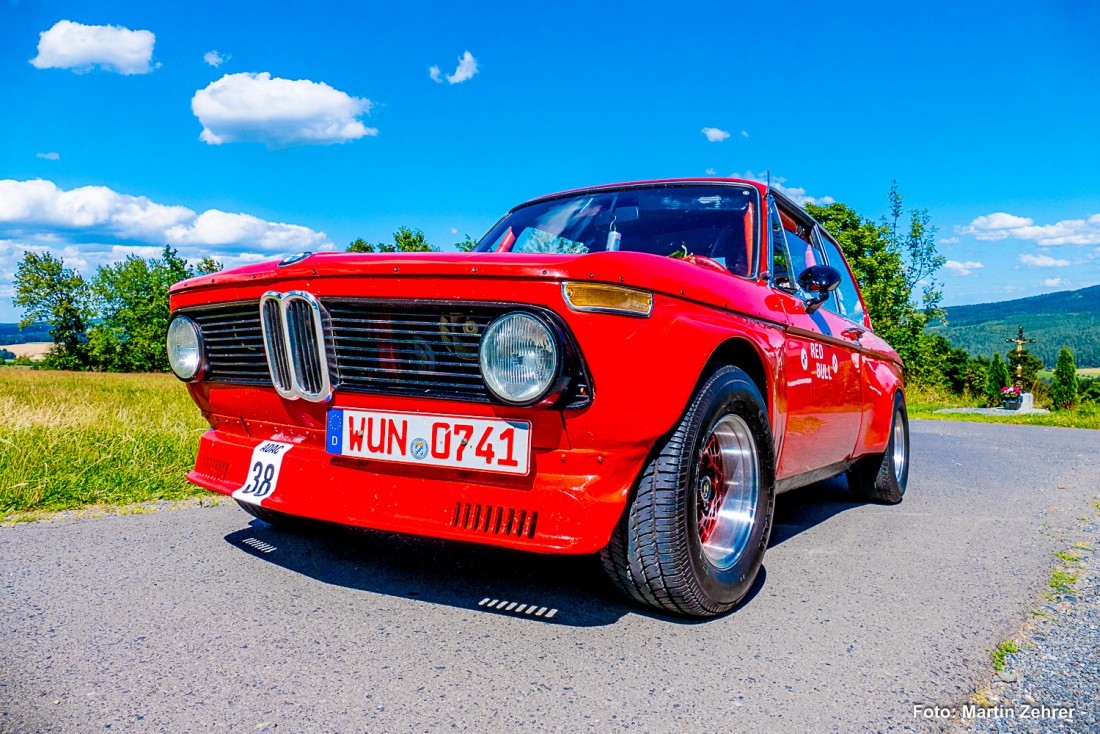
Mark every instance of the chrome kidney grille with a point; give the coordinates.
(275, 343)
(297, 358)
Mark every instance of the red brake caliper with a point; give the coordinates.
(710, 469)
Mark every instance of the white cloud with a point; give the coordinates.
(80, 47)
(467, 67)
(795, 193)
(1055, 282)
(1043, 261)
(1001, 225)
(454, 230)
(39, 213)
(215, 58)
(711, 172)
(48, 156)
(962, 268)
(279, 112)
(715, 135)
(948, 240)
(744, 133)
(94, 225)
(218, 228)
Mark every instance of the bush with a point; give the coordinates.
(1088, 391)
(1063, 392)
(996, 378)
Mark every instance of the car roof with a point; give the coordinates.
(762, 188)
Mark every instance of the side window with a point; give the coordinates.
(802, 252)
(781, 259)
(847, 302)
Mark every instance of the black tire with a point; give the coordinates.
(656, 555)
(283, 521)
(876, 478)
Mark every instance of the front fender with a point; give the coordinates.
(644, 371)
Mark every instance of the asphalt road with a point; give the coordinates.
(204, 620)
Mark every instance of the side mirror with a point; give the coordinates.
(819, 281)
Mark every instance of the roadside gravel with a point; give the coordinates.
(1058, 665)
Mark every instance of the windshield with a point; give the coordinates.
(706, 220)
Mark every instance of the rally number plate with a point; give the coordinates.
(479, 444)
(263, 472)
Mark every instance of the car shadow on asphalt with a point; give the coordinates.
(544, 589)
(801, 509)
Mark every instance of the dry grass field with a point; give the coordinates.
(34, 350)
(70, 439)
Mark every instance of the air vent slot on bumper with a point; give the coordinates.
(495, 520)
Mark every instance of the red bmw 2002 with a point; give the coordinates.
(633, 369)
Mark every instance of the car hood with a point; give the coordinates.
(640, 270)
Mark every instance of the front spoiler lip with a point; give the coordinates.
(578, 495)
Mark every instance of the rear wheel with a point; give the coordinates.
(693, 537)
(882, 478)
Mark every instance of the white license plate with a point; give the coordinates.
(479, 444)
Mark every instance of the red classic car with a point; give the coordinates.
(633, 369)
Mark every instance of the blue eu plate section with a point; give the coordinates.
(334, 441)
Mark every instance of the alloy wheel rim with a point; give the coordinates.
(899, 447)
(727, 486)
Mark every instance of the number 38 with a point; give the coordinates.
(260, 484)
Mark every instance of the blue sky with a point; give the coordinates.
(324, 122)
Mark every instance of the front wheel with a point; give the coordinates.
(692, 539)
(882, 478)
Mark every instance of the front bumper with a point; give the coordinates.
(568, 503)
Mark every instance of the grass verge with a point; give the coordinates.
(923, 403)
(69, 440)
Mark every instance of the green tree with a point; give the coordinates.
(918, 245)
(467, 245)
(962, 374)
(1063, 392)
(896, 271)
(209, 266)
(976, 375)
(47, 291)
(1031, 367)
(131, 299)
(404, 240)
(1089, 391)
(997, 378)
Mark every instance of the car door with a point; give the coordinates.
(844, 315)
(847, 317)
(824, 402)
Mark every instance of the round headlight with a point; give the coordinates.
(184, 347)
(520, 358)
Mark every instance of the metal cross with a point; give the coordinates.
(1020, 341)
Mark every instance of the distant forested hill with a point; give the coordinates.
(1055, 320)
(10, 334)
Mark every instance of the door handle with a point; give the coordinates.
(854, 333)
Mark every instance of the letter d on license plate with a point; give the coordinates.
(478, 444)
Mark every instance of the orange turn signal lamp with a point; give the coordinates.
(604, 298)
